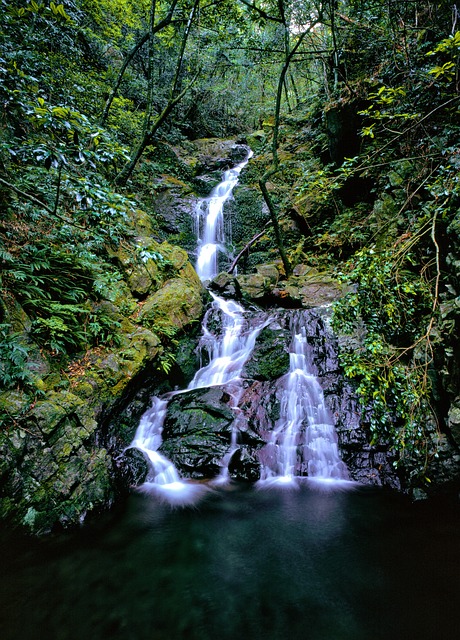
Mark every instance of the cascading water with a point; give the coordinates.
(209, 223)
(303, 441)
(227, 354)
(148, 439)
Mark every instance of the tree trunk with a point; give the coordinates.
(150, 129)
(139, 44)
(127, 170)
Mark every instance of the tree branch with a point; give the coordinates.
(38, 202)
(125, 173)
(245, 248)
(139, 44)
(261, 12)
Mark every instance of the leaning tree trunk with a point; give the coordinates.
(150, 130)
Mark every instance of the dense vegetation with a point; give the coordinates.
(357, 107)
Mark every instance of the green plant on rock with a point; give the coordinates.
(388, 106)
(102, 328)
(167, 334)
(60, 330)
(13, 360)
(389, 356)
(317, 184)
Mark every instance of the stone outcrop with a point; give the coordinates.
(306, 288)
(61, 456)
(197, 432)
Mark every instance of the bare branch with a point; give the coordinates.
(261, 12)
(246, 248)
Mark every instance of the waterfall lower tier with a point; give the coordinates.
(209, 434)
(303, 441)
(222, 427)
(148, 439)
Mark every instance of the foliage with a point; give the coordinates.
(390, 305)
(13, 360)
(167, 334)
(83, 85)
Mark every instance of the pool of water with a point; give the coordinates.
(284, 564)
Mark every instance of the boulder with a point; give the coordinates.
(176, 304)
(133, 468)
(197, 431)
(226, 285)
(270, 357)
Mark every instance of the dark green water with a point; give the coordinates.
(242, 564)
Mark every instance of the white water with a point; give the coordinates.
(209, 223)
(304, 440)
(227, 353)
(227, 356)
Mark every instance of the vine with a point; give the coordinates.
(393, 309)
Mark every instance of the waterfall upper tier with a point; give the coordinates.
(209, 223)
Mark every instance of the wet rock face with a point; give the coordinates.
(133, 467)
(270, 357)
(197, 432)
(367, 464)
(244, 465)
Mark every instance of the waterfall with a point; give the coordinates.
(209, 223)
(227, 354)
(303, 441)
(148, 439)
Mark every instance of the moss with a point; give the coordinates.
(175, 305)
(257, 139)
(53, 469)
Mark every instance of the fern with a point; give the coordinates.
(13, 360)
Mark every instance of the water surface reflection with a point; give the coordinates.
(242, 564)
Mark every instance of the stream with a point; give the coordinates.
(303, 554)
(253, 565)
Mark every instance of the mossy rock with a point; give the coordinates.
(226, 285)
(216, 154)
(54, 468)
(270, 357)
(254, 286)
(176, 304)
(197, 432)
(256, 139)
